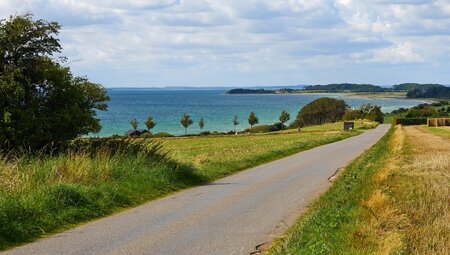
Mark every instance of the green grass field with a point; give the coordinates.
(43, 195)
(442, 131)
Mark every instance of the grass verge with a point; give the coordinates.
(394, 199)
(327, 226)
(43, 195)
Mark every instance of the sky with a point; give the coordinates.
(238, 43)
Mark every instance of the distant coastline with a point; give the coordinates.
(404, 90)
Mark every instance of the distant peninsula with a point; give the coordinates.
(262, 91)
(410, 90)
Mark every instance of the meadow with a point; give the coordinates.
(41, 195)
(391, 200)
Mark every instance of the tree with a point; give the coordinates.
(201, 124)
(186, 121)
(235, 122)
(284, 117)
(252, 119)
(150, 123)
(321, 111)
(134, 123)
(46, 106)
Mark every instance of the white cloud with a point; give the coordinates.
(216, 42)
(401, 53)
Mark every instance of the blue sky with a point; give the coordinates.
(148, 43)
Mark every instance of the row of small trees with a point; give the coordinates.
(186, 121)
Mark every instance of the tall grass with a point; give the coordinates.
(42, 194)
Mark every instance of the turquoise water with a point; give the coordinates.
(216, 107)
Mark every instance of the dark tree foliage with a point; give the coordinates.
(347, 87)
(150, 123)
(186, 121)
(432, 92)
(250, 91)
(252, 119)
(134, 123)
(322, 110)
(366, 111)
(235, 122)
(284, 117)
(426, 111)
(201, 124)
(413, 86)
(42, 105)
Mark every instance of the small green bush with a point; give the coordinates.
(410, 121)
(146, 135)
(163, 134)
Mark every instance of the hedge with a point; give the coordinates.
(410, 121)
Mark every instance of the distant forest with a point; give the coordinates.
(414, 90)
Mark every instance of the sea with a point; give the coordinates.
(215, 106)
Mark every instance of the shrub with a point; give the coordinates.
(322, 110)
(205, 133)
(296, 124)
(265, 128)
(261, 129)
(163, 134)
(410, 121)
(424, 111)
(353, 115)
(146, 135)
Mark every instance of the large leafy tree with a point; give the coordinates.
(321, 111)
(42, 105)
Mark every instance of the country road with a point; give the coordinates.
(230, 216)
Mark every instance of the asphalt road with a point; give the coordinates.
(230, 216)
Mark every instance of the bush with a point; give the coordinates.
(424, 111)
(353, 115)
(410, 121)
(296, 124)
(265, 128)
(146, 135)
(163, 134)
(322, 110)
(205, 133)
(261, 129)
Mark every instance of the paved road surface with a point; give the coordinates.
(229, 216)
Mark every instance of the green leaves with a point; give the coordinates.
(252, 119)
(48, 106)
(186, 121)
(321, 111)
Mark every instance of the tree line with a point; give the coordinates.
(187, 121)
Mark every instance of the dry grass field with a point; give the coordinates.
(393, 200)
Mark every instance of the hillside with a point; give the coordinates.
(347, 87)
